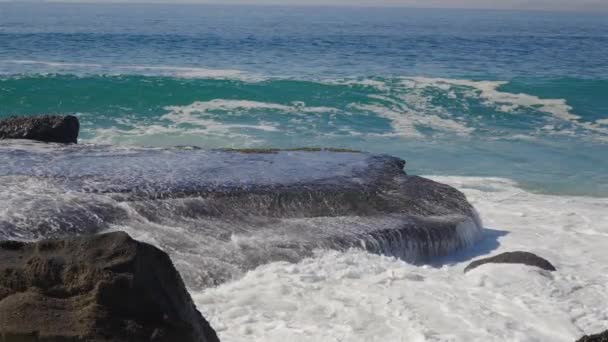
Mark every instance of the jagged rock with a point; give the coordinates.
(45, 128)
(96, 288)
(525, 258)
(601, 337)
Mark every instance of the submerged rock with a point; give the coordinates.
(525, 258)
(221, 213)
(99, 288)
(45, 128)
(601, 337)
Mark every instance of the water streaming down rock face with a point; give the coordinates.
(220, 213)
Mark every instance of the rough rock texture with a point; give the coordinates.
(98, 288)
(46, 128)
(235, 210)
(601, 337)
(525, 258)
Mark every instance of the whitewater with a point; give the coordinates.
(358, 296)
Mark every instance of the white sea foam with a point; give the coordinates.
(405, 121)
(409, 110)
(180, 113)
(367, 82)
(216, 134)
(208, 120)
(201, 113)
(357, 296)
(407, 103)
(186, 72)
(602, 122)
(184, 124)
(511, 102)
(51, 63)
(163, 70)
(506, 102)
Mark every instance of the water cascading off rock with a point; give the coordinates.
(220, 213)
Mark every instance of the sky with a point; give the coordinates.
(559, 5)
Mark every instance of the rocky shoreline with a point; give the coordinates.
(250, 207)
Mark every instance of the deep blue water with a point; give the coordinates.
(521, 95)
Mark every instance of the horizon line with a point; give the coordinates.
(355, 5)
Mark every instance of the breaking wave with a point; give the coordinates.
(115, 107)
(534, 124)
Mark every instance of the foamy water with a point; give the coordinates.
(357, 296)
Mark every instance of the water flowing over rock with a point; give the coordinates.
(525, 258)
(105, 287)
(221, 213)
(45, 128)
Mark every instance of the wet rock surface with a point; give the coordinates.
(222, 213)
(601, 337)
(94, 288)
(525, 258)
(44, 128)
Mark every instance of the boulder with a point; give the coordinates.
(45, 128)
(601, 337)
(96, 288)
(525, 258)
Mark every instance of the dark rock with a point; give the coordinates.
(525, 258)
(45, 128)
(601, 337)
(237, 209)
(97, 288)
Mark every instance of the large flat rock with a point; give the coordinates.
(231, 211)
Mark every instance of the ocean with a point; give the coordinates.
(510, 107)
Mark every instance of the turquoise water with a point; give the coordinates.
(520, 95)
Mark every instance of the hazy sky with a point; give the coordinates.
(586, 5)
